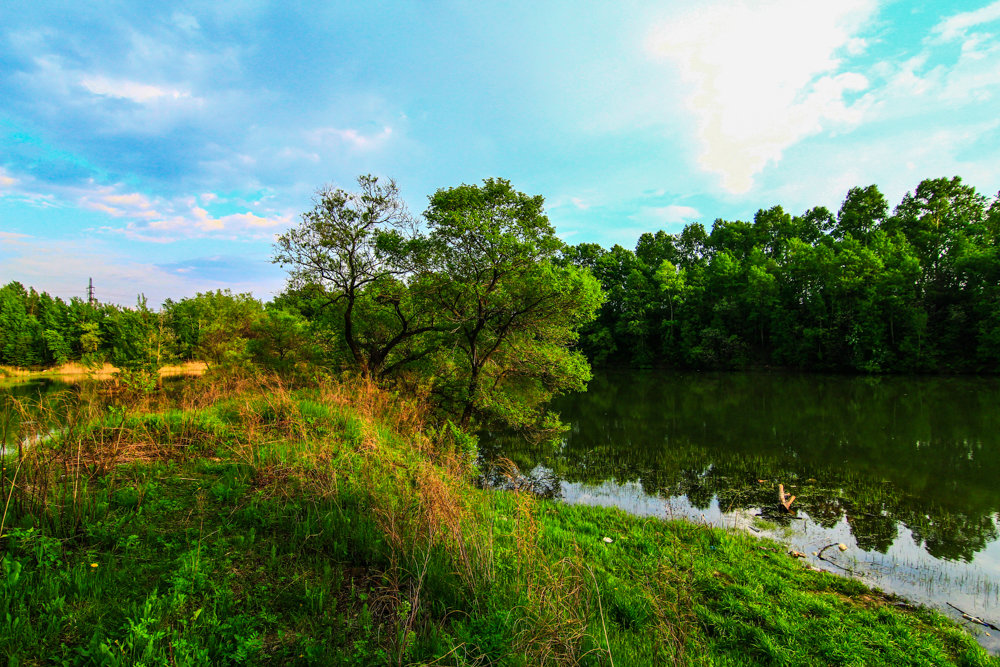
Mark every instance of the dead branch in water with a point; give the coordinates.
(819, 555)
(783, 498)
(973, 619)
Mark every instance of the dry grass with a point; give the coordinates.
(670, 595)
(442, 522)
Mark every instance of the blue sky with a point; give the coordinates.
(159, 147)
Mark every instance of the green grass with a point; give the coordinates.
(334, 526)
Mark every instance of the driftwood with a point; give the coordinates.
(784, 500)
(973, 619)
(819, 555)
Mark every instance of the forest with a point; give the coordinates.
(865, 290)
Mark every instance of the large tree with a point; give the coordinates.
(512, 309)
(357, 249)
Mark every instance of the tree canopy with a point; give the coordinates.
(916, 289)
(477, 304)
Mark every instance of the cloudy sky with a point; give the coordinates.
(159, 147)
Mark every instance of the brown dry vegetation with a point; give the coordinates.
(75, 372)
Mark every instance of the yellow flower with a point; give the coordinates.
(93, 565)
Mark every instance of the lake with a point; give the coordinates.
(904, 471)
(28, 393)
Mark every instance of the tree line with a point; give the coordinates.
(220, 328)
(484, 307)
(866, 290)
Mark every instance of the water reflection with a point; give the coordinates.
(23, 399)
(882, 454)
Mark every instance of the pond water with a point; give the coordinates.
(905, 471)
(26, 393)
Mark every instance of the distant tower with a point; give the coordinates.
(90, 293)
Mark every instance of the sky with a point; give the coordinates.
(158, 148)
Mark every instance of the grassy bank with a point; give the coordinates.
(337, 525)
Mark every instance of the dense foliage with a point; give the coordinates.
(215, 327)
(477, 307)
(37, 329)
(917, 290)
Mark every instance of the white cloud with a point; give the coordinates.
(762, 75)
(928, 85)
(195, 220)
(185, 22)
(153, 219)
(11, 237)
(351, 137)
(140, 93)
(672, 214)
(118, 205)
(955, 27)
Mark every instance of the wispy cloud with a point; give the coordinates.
(118, 205)
(150, 218)
(935, 83)
(6, 181)
(671, 214)
(11, 237)
(141, 93)
(957, 26)
(195, 220)
(351, 137)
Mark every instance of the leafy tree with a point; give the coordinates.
(863, 211)
(671, 281)
(654, 249)
(511, 309)
(22, 338)
(215, 327)
(357, 248)
(131, 336)
(279, 339)
(90, 343)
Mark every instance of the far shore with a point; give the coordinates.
(75, 372)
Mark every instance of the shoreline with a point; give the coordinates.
(894, 582)
(75, 372)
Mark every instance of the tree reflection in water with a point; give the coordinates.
(922, 452)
